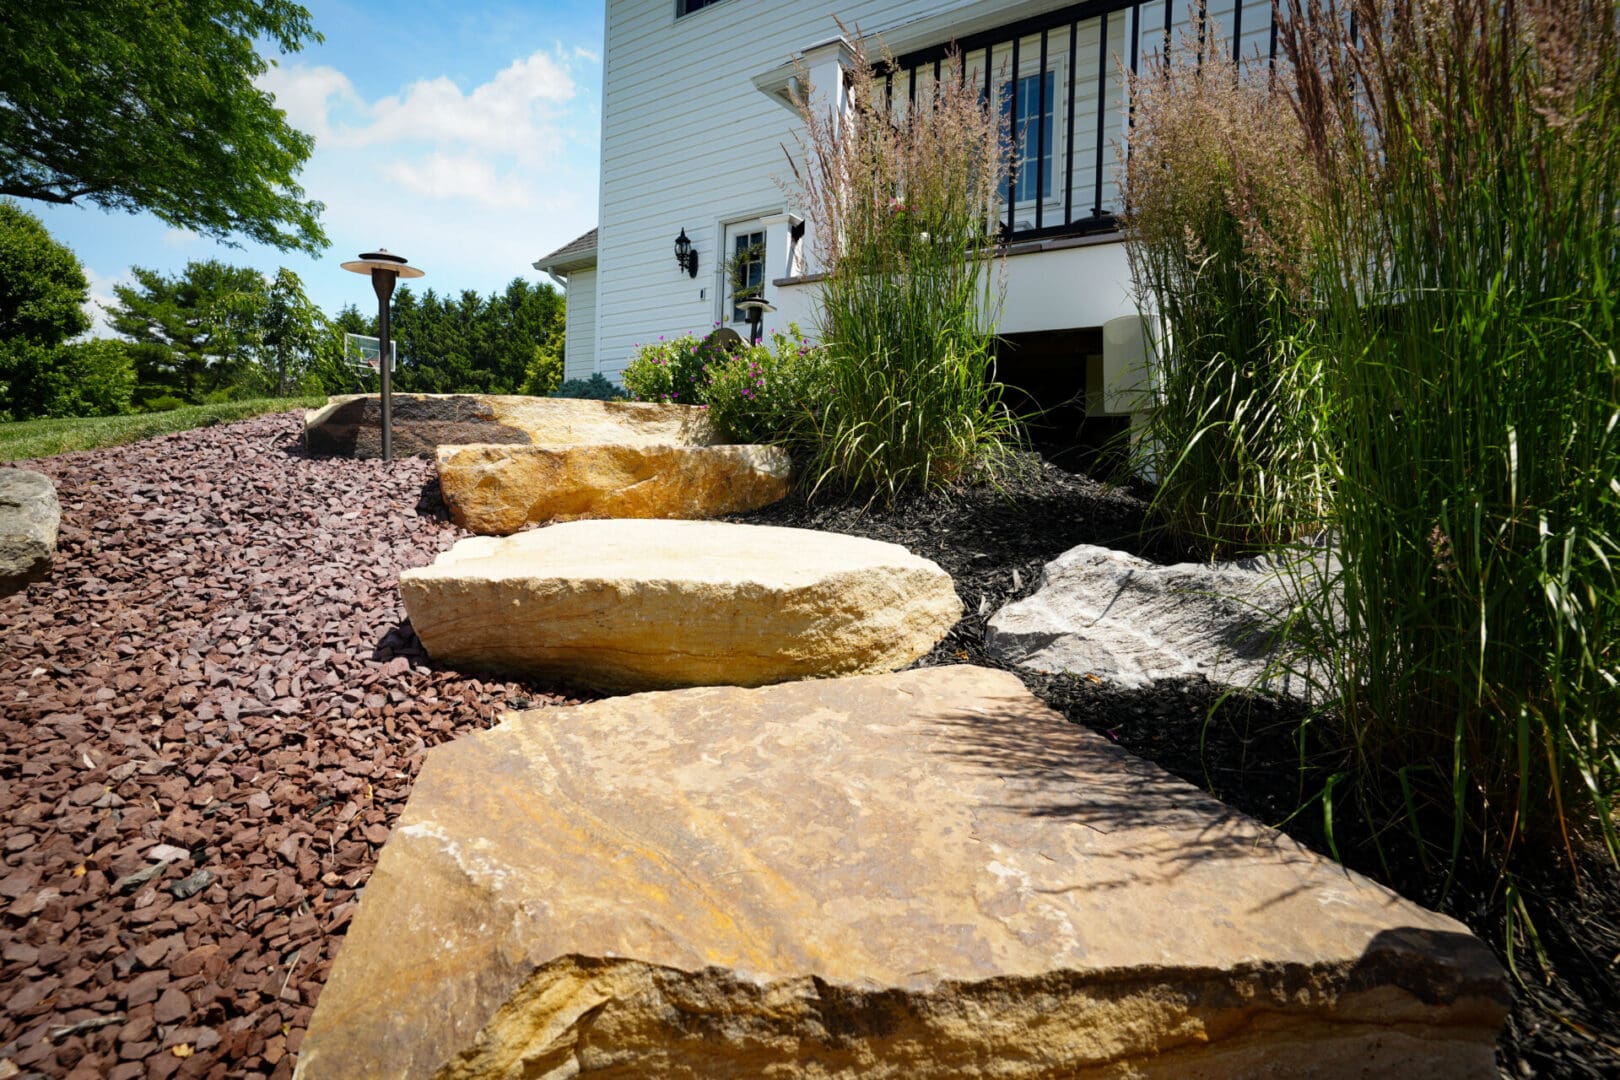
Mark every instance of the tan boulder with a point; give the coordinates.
(351, 425)
(496, 490)
(923, 874)
(636, 605)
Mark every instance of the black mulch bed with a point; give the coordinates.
(1242, 748)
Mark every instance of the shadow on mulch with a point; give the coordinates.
(431, 504)
(400, 640)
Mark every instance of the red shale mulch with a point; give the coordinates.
(215, 668)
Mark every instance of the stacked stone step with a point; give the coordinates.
(808, 863)
(506, 461)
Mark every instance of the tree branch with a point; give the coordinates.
(45, 194)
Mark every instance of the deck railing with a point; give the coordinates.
(1057, 79)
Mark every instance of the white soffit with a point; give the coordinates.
(920, 33)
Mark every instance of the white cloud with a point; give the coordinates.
(518, 112)
(515, 112)
(305, 94)
(101, 298)
(470, 182)
(461, 176)
(486, 147)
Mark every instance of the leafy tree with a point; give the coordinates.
(89, 378)
(42, 295)
(349, 321)
(545, 372)
(156, 374)
(294, 330)
(205, 319)
(153, 107)
(472, 344)
(42, 285)
(528, 319)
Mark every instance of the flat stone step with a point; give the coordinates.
(496, 490)
(351, 425)
(639, 605)
(923, 874)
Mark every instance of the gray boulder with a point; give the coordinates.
(29, 515)
(1131, 622)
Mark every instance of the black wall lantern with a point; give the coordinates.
(685, 257)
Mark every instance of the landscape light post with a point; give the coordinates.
(385, 269)
(755, 307)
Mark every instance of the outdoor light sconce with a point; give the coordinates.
(685, 257)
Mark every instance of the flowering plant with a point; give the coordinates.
(754, 393)
(763, 394)
(672, 371)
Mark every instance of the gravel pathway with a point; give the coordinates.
(208, 720)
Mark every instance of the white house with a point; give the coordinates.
(696, 111)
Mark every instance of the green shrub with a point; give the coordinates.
(1470, 155)
(97, 378)
(904, 205)
(1218, 236)
(163, 403)
(595, 388)
(83, 378)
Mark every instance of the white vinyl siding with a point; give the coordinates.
(579, 359)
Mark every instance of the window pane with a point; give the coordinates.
(1027, 140)
(748, 269)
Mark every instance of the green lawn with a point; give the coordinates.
(42, 438)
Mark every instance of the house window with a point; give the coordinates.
(686, 7)
(1032, 167)
(746, 268)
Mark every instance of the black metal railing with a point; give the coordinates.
(1044, 51)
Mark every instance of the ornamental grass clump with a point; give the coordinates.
(1469, 155)
(902, 198)
(1218, 230)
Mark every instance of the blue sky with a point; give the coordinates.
(462, 135)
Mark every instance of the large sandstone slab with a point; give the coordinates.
(496, 490)
(924, 874)
(1132, 622)
(637, 605)
(29, 516)
(351, 425)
